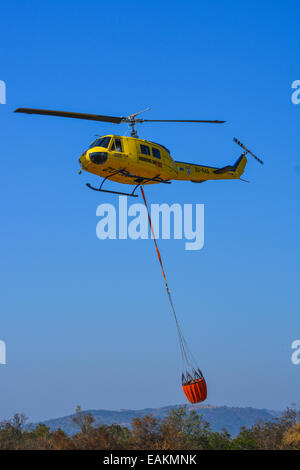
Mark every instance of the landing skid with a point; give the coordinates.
(139, 179)
(114, 192)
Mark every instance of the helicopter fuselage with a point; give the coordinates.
(116, 157)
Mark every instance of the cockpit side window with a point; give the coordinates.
(117, 145)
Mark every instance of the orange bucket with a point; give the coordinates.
(195, 390)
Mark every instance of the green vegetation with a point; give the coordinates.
(180, 430)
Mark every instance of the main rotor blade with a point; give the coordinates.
(90, 117)
(181, 120)
(104, 118)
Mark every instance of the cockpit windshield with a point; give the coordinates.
(103, 142)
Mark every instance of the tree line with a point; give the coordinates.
(180, 430)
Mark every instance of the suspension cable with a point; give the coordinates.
(183, 345)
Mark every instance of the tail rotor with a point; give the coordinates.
(247, 150)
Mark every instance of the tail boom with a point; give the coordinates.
(200, 173)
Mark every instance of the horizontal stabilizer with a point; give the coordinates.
(227, 168)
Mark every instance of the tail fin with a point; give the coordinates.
(240, 164)
(235, 170)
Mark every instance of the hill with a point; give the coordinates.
(219, 417)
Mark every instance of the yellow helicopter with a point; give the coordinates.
(134, 161)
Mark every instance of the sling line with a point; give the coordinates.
(183, 346)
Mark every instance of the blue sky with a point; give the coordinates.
(88, 321)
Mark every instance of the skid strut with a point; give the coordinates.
(138, 179)
(113, 192)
